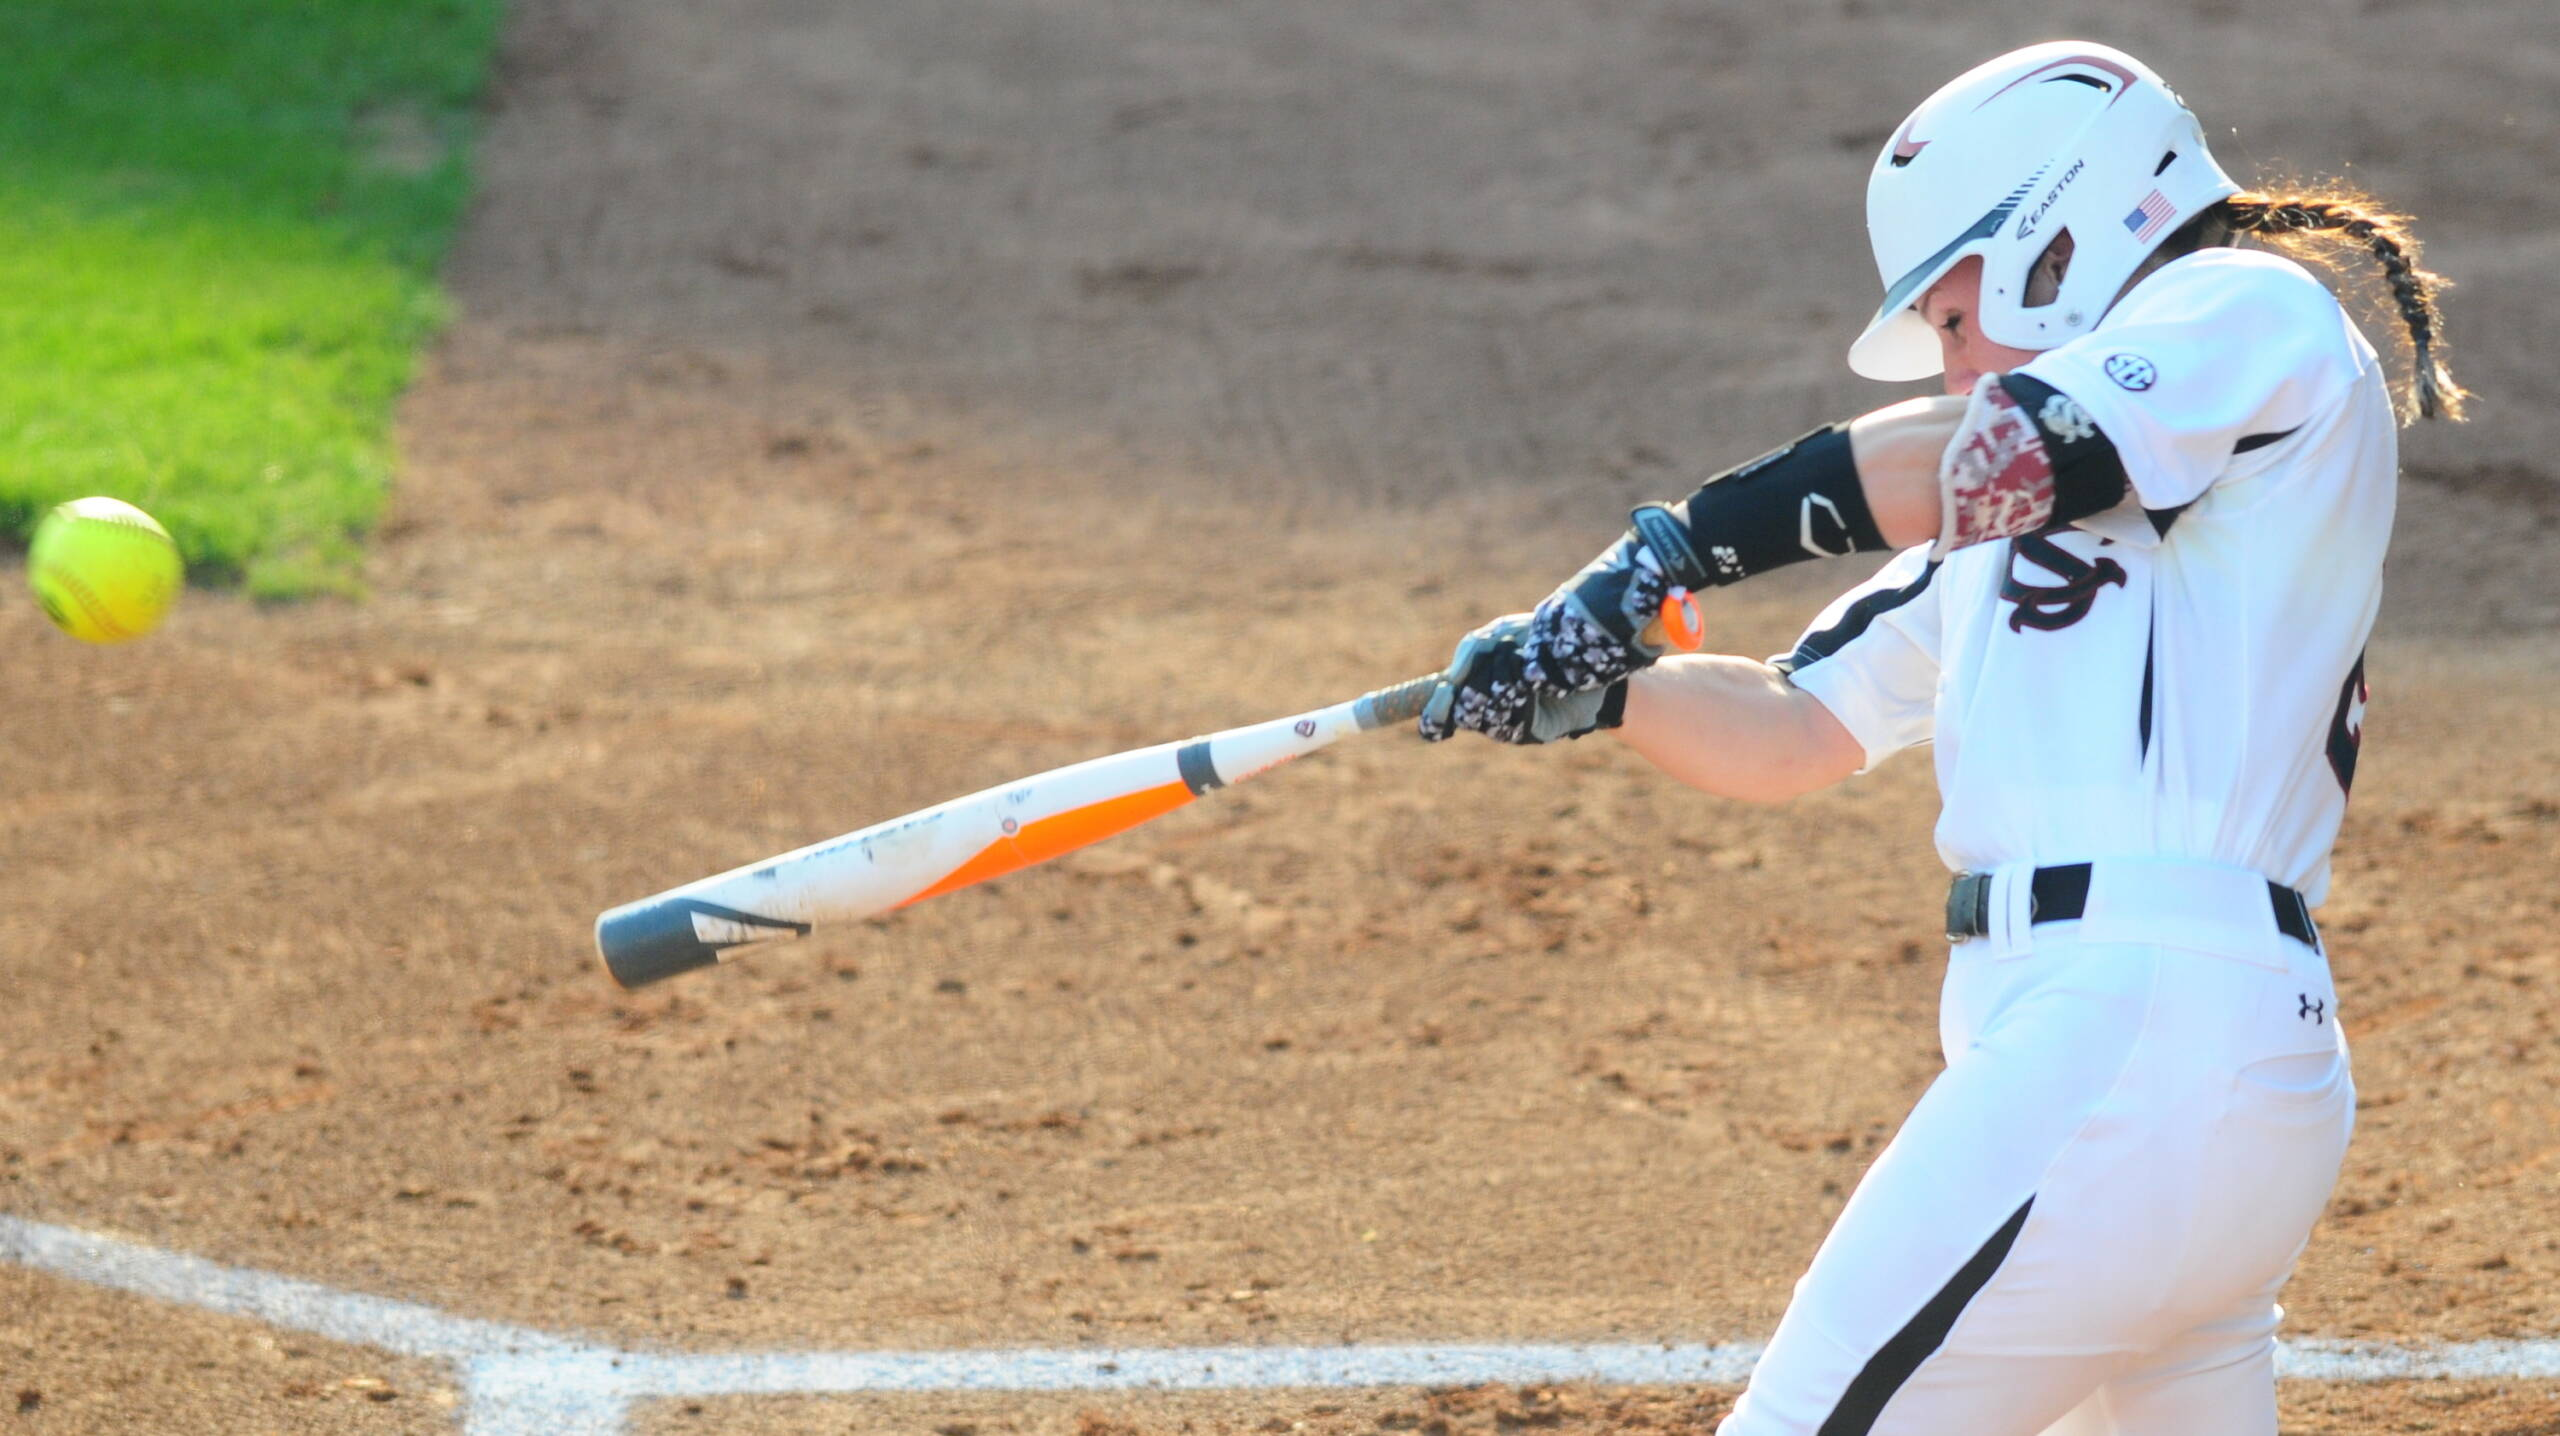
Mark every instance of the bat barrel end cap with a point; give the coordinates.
(646, 942)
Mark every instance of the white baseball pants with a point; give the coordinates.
(2083, 1225)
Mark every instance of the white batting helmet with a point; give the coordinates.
(2063, 136)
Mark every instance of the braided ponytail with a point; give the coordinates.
(2298, 221)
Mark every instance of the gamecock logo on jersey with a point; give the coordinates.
(2064, 419)
(2050, 606)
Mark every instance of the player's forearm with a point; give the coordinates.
(1898, 450)
(1868, 485)
(1737, 728)
(1872, 484)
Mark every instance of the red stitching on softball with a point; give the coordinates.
(89, 601)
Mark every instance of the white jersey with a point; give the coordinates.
(2183, 676)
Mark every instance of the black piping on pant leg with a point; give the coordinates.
(1921, 1336)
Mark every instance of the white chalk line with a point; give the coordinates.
(522, 1382)
(400, 1327)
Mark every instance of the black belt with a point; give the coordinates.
(2060, 894)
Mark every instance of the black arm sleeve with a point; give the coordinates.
(2088, 475)
(1800, 502)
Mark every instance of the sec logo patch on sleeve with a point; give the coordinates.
(2132, 371)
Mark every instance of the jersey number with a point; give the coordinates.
(2346, 730)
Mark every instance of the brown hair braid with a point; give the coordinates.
(2335, 219)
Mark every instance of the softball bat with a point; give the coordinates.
(987, 834)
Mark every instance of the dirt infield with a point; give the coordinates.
(855, 406)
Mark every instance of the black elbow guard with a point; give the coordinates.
(1800, 502)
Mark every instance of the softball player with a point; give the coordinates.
(2141, 551)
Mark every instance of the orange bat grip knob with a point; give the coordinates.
(1684, 630)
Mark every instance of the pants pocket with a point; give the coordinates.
(2292, 1081)
(2267, 1173)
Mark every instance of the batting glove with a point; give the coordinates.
(1487, 690)
(1588, 634)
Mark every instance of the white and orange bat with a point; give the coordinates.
(987, 834)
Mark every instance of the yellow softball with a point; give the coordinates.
(104, 570)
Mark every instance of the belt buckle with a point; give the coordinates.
(1968, 906)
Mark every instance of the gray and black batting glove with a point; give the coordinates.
(1589, 633)
(1487, 691)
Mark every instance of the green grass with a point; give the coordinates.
(220, 222)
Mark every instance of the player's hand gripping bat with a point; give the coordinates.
(991, 833)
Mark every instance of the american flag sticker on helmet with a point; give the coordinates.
(2148, 216)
